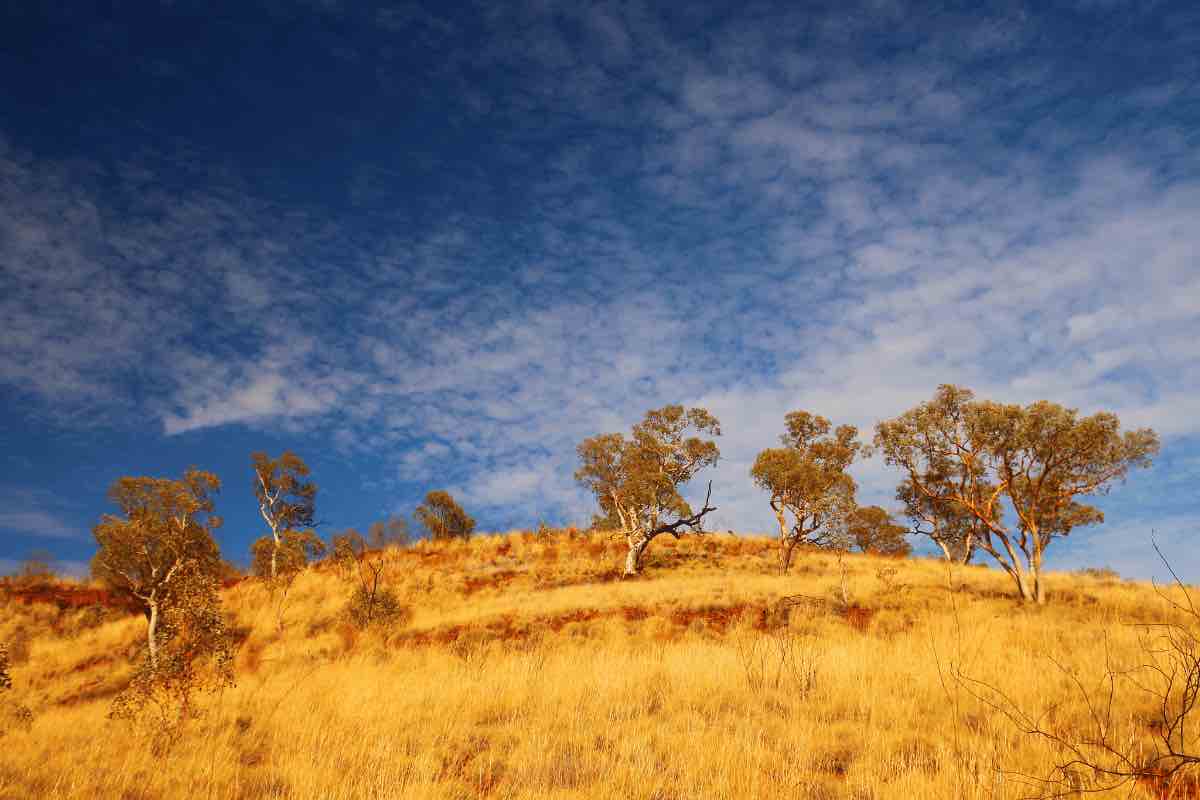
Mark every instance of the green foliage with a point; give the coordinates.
(194, 655)
(164, 530)
(811, 493)
(873, 531)
(287, 503)
(636, 480)
(961, 456)
(444, 518)
(377, 607)
(161, 552)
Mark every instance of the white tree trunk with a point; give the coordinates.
(633, 559)
(152, 633)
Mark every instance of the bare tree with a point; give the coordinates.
(637, 479)
(444, 518)
(811, 493)
(286, 500)
(971, 454)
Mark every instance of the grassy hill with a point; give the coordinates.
(525, 669)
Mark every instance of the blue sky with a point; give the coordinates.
(430, 248)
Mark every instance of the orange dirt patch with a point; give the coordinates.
(859, 618)
(473, 584)
(718, 618)
(69, 597)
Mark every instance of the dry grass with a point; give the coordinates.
(527, 671)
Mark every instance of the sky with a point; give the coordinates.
(435, 247)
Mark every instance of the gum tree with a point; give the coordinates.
(972, 455)
(160, 550)
(872, 529)
(954, 530)
(811, 493)
(444, 518)
(287, 503)
(637, 479)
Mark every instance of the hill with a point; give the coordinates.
(522, 668)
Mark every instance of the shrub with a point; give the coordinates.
(380, 608)
(1104, 573)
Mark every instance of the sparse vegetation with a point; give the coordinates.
(531, 671)
(542, 679)
(444, 518)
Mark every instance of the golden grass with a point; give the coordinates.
(527, 672)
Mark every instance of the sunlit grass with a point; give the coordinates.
(527, 671)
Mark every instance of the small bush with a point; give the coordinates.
(381, 609)
(1103, 573)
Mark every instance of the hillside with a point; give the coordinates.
(526, 670)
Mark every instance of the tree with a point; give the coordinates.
(953, 529)
(444, 518)
(811, 493)
(160, 546)
(637, 479)
(967, 454)
(288, 558)
(391, 531)
(873, 531)
(286, 500)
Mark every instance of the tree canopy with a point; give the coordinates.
(811, 493)
(287, 503)
(637, 479)
(873, 530)
(444, 518)
(968, 455)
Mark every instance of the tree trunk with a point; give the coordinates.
(152, 633)
(633, 559)
(275, 556)
(945, 550)
(1023, 587)
(785, 554)
(1039, 588)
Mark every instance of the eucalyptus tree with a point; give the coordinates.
(287, 503)
(637, 480)
(160, 549)
(811, 494)
(874, 531)
(970, 456)
(444, 518)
